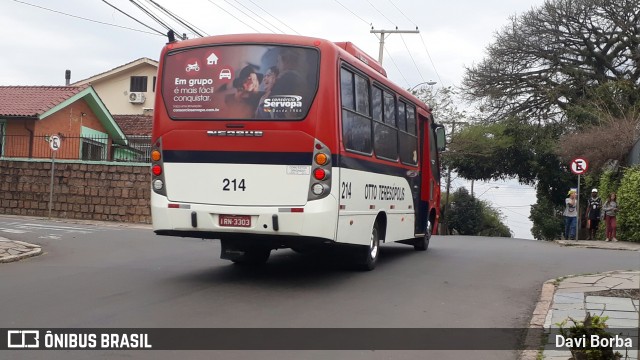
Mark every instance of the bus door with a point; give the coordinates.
(426, 183)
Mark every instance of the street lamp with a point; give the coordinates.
(430, 83)
(493, 187)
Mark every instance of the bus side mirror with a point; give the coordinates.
(441, 140)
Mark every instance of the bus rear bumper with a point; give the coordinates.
(316, 221)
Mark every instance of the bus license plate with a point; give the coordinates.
(235, 220)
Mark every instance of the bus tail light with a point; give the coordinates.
(321, 159)
(320, 182)
(317, 189)
(158, 183)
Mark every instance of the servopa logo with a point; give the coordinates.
(283, 102)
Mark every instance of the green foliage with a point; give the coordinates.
(591, 326)
(612, 99)
(628, 218)
(506, 149)
(547, 220)
(465, 213)
(470, 216)
(492, 224)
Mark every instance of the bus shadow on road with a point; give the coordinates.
(286, 267)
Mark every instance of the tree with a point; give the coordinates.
(548, 59)
(614, 125)
(567, 67)
(470, 216)
(547, 220)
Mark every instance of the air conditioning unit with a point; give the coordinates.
(136, 98)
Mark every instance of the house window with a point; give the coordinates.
(154, 84)
(92, 150)
(138, 84)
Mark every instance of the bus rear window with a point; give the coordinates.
(240, 82)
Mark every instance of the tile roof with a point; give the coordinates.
(134, 124)
(32, 101)
(117, 69)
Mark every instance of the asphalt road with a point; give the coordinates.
(94, 276)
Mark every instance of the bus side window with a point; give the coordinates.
(411, 120)
(356, 123)
(407, 135)
(346, 89)
(385, 141)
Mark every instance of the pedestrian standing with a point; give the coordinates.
(594, 205)
(610, 211)
(570, 216)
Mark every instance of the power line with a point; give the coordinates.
(154, 17)
(235, 17)
(132, 18)
(195, 30)
(87, 19)
(397, 8)
(397, 68)
(430, 59)
(423, 42)
(381, 13)
(412, 59)
(249, 16)
(261, 18)
(268, 13)
(354, 14)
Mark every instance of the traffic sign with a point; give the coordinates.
(579, 166)
(54, 142)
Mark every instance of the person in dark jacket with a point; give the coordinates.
(592, 214)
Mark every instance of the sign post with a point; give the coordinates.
(578, 166)
(54, 143)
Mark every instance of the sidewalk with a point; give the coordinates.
(11, 250)
(595, 244)
(614, 294)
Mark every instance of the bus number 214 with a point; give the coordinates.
(345, 190)
(233, 185)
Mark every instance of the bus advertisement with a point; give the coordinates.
(281, 141)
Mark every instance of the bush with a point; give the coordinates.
(591, 326)
(629, 202)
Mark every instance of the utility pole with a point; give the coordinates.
(445, 212)
(382, 34)
(445, 215)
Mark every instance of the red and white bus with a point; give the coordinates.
(278, 141)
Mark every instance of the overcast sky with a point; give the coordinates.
(40, 45)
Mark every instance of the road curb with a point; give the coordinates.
(537, 320)
(542, 308)
(35, 251)
(604, 246)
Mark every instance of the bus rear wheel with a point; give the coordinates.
(422, 243)
(367, 255)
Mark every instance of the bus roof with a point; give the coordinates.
(344, 47)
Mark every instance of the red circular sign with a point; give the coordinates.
(579, 166)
